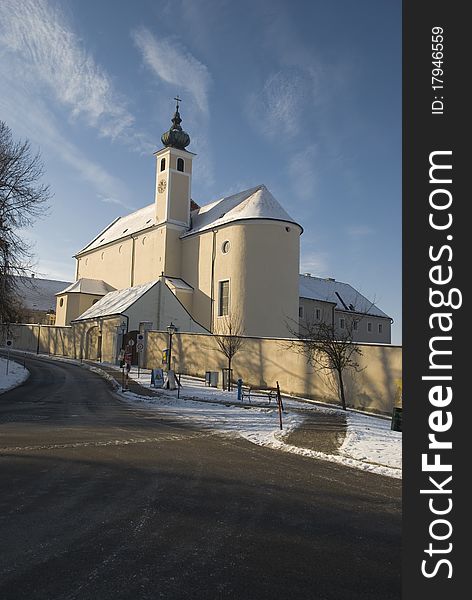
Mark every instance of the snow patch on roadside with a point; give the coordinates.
(17, 374)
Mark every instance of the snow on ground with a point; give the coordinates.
(16, 374)
(369, 444)
(371, 440)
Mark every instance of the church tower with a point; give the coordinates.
(174, 176)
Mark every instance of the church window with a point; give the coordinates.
(380, 328)
(317, 314)
(223, 304)
(225, 246)
(61, 302)
(163, 164)
(369, 327)
(355, 325)
(342, 323)
(300, 312)
(180, 164)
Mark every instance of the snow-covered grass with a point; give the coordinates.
(16, 374)
(369, 444)
(372, 441)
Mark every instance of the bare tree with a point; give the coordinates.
(328, 349)
(22, 201)
(228, 337)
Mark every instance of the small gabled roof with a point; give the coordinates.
(343, 295)
(117, 302)
(124, 227)
(179, 284)
(255, 203)
(96, 287)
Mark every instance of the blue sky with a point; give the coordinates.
(303, 96)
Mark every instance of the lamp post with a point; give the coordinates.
(171, 329)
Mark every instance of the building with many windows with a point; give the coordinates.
(351, 314)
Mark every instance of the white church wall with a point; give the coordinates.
(172, 311)
(261, 264)
(111, 263)
(267, 273)
(149, 255)
(196, 271)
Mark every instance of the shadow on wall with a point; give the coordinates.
(262, 362)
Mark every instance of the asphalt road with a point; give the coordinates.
(101, 500)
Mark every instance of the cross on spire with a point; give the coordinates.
(178, 100)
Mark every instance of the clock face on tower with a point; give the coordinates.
(161, 186)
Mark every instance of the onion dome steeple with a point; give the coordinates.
(176, 137)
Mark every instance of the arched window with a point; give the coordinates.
(163, 164)
(180, 164)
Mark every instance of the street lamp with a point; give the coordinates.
(171, 329)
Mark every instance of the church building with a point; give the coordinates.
(198, 267)
(233, 261)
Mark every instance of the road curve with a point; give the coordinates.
(101, 500)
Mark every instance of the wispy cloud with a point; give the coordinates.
(29, 117)
(172, 63)
(302, 171)
(315, 263)
(43, 50)
(357, 232)
(277, 108)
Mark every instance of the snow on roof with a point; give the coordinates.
(124, 226)
(179, 284)
(39, 294)
(342, 294)
(117, 302)
(255, 203)
(97, 287)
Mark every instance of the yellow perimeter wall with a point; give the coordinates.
(261, 362)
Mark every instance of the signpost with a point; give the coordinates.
(8, 345)
(127, 363)
(140, 346)
(279, 402)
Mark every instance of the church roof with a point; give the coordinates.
(343, 295)
(124, 226)
(97, 287)
(255, 203)
(117, 302)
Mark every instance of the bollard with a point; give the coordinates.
(240, 388)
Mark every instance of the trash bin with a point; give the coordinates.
(211, 378)
(396, 419)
